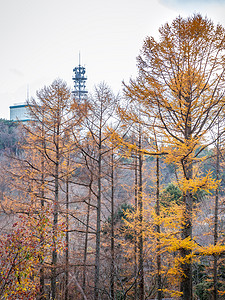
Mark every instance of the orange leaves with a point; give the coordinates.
(116, 139)
(173, 293)
(206, 183)
(130, 147)
(23, 251)
(19, 255)
(178, 244)
(212, 250)
(177, 150)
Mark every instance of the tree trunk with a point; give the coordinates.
(186, 283)
(215, 258)
(54, 252)
(98, 226)
(135, 237)
(67, 239)
(159, 280)
(112, 273)
(140, 221)
(186, 231)
(42, 277)
(86, 241)
(55, 218)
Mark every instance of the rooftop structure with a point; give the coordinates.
(20, 112)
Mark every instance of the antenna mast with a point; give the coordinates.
(28, 92)
(79, 79)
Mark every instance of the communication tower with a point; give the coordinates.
(79, 79)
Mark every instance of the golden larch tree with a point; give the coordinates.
(181, 85)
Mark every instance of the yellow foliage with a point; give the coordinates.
(172, 293)
(177, 150)
(178, 244)
(221, 293)
(212, 250)
(205, 183)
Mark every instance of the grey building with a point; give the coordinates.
(19, 112)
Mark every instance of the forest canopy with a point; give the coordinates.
(121, 197)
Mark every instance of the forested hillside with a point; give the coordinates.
(9, 136)
(121, 197)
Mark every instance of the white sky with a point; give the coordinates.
(41, 40)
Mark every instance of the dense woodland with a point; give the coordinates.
(121, 196)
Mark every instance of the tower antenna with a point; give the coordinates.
(79, 79)
(28, 92)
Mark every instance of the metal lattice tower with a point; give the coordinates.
(79, 79)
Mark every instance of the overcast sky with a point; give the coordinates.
(41, 40)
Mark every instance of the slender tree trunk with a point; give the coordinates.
(98, 225)
(135, 237)
(159, 280)
(86, 241)
(186, 283)
(140, 221)
(55, 219)
(54, 252)
(112, 271)
(186, 232)
(42, 277)
(215, 258)
(67, 239)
